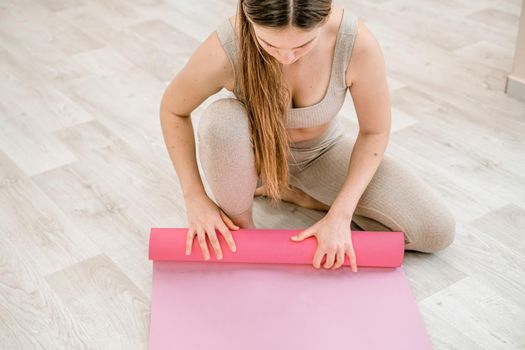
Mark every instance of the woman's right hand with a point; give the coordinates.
(204, 217)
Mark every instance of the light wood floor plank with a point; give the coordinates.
(31, 314)
(114, 312)
(479, 312)
(31, 221)
(506, 225)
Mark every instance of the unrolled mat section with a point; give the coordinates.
(267, 295)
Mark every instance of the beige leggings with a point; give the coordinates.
(395, 200)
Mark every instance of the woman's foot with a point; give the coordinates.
(298, 197)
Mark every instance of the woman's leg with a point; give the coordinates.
(395, 200)
(226, 155)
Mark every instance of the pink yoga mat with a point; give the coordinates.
(267, 295)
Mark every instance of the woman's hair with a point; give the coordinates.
(261, 86)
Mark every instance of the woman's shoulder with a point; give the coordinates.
(210, 58)
(366, 49)
(366, 57)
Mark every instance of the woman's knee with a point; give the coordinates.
(425, 218)
(226, 154)
(435, 233)
(224, 123)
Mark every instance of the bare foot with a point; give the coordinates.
(298, 197)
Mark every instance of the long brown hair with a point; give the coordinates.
(261, 86)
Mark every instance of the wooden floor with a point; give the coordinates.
(84, 172)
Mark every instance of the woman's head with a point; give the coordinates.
(273, 33)
(286, 45)
(287, 30)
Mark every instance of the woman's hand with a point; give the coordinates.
(204, 217)
(333, 239)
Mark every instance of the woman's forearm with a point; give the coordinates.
(180, 143)
(365, 159)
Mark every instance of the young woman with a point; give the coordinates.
(289, 64)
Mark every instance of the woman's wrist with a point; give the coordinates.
(194, 193)
(340, 213)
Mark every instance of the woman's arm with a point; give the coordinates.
(370, 94)
(204, 74)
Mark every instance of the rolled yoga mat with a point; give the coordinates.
(267, 294)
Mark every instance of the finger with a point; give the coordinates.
(318, 257)
(340, 258)
(351, 255)
(228, 221)
(228, 237)
(330, 257)
(189, 241)
(203, 245)
(212, 235)
(304, 234)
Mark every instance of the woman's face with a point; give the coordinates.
(286, 45)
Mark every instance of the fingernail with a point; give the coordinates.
(234, 249)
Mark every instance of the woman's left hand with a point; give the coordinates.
(334, 238)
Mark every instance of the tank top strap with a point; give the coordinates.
(230, 44)
(346, 39)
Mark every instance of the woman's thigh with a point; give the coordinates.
(395, 198)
